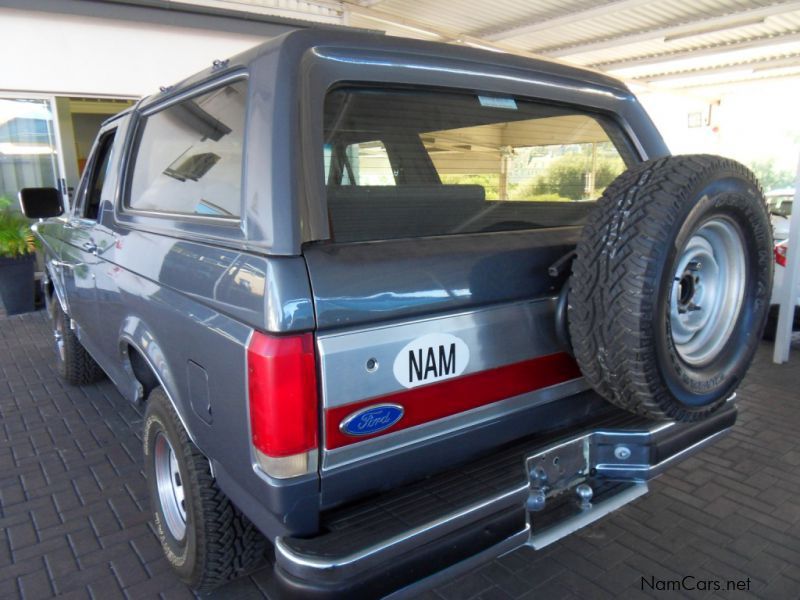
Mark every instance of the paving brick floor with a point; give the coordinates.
(74, 520)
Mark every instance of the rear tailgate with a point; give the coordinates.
(456, 331)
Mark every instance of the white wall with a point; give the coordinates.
(670, 112)
(49, 52)
(762, 120)
(755, 121)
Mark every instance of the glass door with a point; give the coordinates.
(28, 145)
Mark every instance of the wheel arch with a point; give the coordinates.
(52, 289)
(145, 364)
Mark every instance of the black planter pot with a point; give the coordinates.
(16, 284)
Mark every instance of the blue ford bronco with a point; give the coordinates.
(393, 308)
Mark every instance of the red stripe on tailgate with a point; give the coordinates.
(436, 400)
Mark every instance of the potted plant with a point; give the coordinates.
(17, 258)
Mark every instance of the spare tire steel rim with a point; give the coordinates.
(707, 291)
(171, 493)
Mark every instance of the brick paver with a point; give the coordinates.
(74, 519)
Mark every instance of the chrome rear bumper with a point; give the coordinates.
(409, 539)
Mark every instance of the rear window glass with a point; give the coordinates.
(403, 163)
(189, 156)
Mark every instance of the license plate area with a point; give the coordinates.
(567, 490)
(557, 469)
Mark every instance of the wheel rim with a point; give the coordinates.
(58, 334)
(170, 486)
(707, 292)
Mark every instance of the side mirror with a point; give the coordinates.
(41, 203)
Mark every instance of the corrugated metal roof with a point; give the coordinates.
(644, 40)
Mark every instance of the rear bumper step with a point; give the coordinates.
(533, 492)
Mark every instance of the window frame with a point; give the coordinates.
(130, 215)
(79, 205)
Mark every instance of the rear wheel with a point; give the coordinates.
(671, 285)
(74, 363)
(206, 539)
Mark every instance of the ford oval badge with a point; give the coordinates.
(372, 419)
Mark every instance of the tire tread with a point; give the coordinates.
(228, 543)
(615, 280)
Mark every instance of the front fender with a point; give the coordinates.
(52, 264)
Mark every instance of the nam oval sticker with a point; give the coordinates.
(432, 357)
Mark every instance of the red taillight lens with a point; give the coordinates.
(780, 254)
(282, 383)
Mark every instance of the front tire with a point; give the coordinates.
(75, 365)
(206, 539)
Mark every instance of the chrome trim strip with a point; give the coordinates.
(197, 90)
(656, 428)
(420, 434)
(353, 564)
(496, 336)
(230, 221)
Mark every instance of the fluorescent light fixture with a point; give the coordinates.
(700, 74)
(777, 71)
(689, 80)
(717, 29)
(419, 30)
(703, 58)
(482, 46)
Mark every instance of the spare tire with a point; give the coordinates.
(671, 285)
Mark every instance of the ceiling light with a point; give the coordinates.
(776, 71)
(482, 46)
(690, 80)
(717, 29)
(419, 30)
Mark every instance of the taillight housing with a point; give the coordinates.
(780, 254)
(282, 388)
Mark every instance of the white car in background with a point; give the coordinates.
(780, 210)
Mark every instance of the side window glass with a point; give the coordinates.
(90, 191)
(365, 163)
(189, 156)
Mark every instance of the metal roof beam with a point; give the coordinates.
(700, 27)
(543, 24)
(642, 61)
(179, 14)
(440, 33)
(756, 66)
(446, 35)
